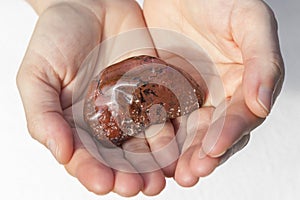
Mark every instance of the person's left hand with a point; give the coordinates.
(241, 39)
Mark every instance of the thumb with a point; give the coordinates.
(264, 70)
(40, 93)
(262, 83)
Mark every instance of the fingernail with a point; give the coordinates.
(51, 144)
(265, 98)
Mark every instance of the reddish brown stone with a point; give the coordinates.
(129, 96)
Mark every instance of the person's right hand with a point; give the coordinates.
(66, 32)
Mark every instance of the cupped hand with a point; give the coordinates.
(241, 39)
(66, 32)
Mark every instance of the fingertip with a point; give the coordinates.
(259, 103)
(250, 94)
(266, 96)
(203, 167)
(97, 179)
(137, 152)
(154, 183)
(185, 180)
(215, 143)
(224, 132)
(65, 151)
(262, 84)
(128, 184)
(183, 175)
(54, 132)
(60, 142)
(64, 154)
(92, 174)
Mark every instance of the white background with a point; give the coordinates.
(268, 168)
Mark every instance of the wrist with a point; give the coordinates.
(41, 6)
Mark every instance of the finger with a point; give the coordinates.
(95, 176)
(180, 126)
(228, 128)
(183, 175)
(138, 153)
(92, 173)
(133, 38)
(199, 123)
(128, 181)
(264, 70)
(203, 167)
(163, 145)
(40, 93)
(190, 167)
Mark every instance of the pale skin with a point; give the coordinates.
(232, 38)
(241, 38)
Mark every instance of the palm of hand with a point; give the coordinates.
(210, 26)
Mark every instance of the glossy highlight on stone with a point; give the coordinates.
(127, 97)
